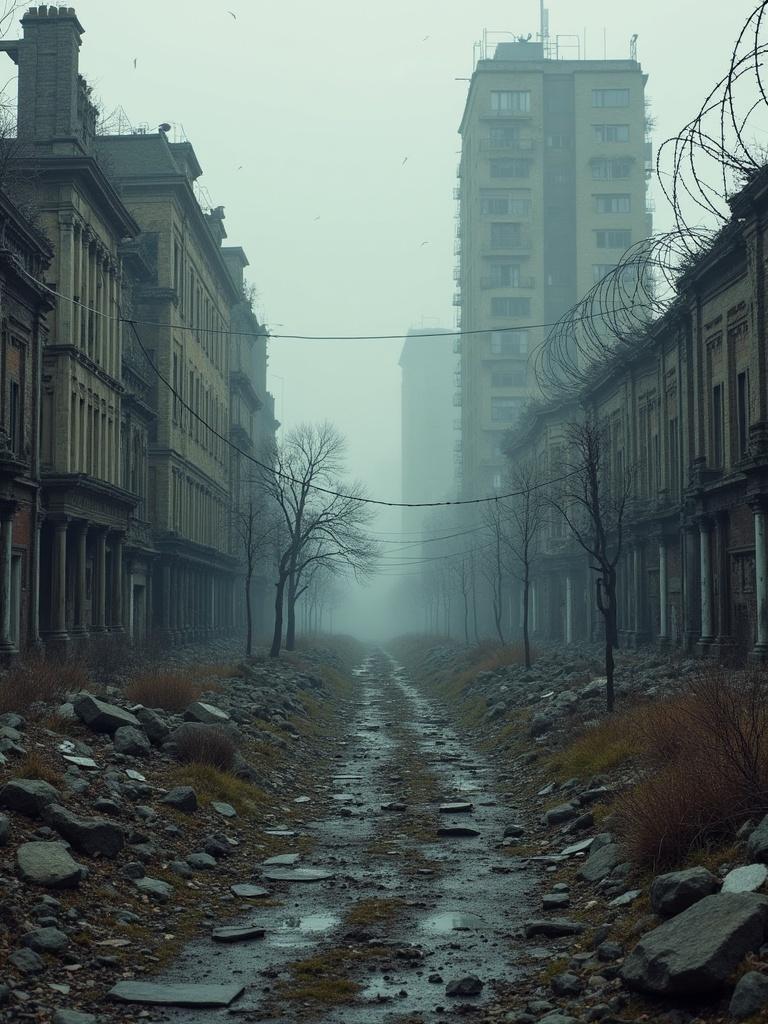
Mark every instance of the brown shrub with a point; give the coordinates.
(34, 767)
(210, 745)
(705, 755)
(39, 680)
(168, 690)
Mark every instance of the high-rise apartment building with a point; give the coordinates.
(552, 190)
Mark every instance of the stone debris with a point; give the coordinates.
(175, 995)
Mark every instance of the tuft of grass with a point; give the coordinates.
(38, 680)
(211, 784)
(213, 747)
(322, 978)
(601, 747)
(35, 767)
(373, 912)
(167, 690)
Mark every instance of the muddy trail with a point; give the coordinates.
(407, 888)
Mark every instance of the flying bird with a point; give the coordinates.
(233, 14)
(425, 39)
(317, 218)
(134, 61)
(423, 244)
(405, 161)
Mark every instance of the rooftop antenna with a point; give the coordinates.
(544, 27)
(633, 48)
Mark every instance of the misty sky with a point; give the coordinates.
(302, 115)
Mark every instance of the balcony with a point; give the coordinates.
(508, 245)
(457, 298)
(457, 346)
(457, 399)
(457, 274)
(506, 145)
(457, 193)
(496, 115)
(520, 283)
(457, 247)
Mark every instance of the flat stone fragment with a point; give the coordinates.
(469, 986)
(73, 1017)
(208, 714)
(601, 863)
(155, 888)
(28, 796)
(301, 800)
(80, 762)
(102, 717)
(678, 890)
(297, 875)
(247, 891)
(458, 831)
(626, 898)
(459, 807)
(283, 860)
(225, 810)
(174, 995)
(750, 878)
(284, 833)
(553, 928)
(237, 934)
(696, 952)
(574, 848)
(49, 865)
(91, 836)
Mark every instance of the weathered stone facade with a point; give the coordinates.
(688, 411)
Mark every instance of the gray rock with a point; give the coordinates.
(757, 844)
(48, 864)
(73, 1017)
(28, 796)
(247, 891)
(174, 995)
(183, 798)
(5, 830)
(557, 1018)
(555, 901)
(600, 862)
(224, 809)
(152, 723)
(696, 952)
(678, 890)
(131, 741)
(46, 940)
(155, 888)
(749, 878)
(234, 934)
(567, 984)
(201, 861)
(208, 714)
(553, 928)
(469, 986)
(750, 995)
(26, 961)
(541, 724)
(95, 837)
(558, 815)
(100, 716)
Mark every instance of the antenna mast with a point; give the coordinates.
(544, 26)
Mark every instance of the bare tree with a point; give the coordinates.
(593, 502)
(527, 511)
(254, 532)
(492, 559)
(462, 572)
(322, 521)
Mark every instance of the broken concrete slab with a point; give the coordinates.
(154, 994)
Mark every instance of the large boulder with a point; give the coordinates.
(601, 862)
(182, 798)
(757, 844)
(100, 716)
(696, 952)
(153, 724)
(48, 864)
(132, 741)
(96, 837)
(28, 796)
(208, 714)
(674, 892)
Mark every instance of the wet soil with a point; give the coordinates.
(407, 909)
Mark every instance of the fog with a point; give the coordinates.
(329, 134)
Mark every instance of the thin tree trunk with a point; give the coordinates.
(277, 636)
(290, 632)
(466, 617)
(248, 617)
(526, 638)
(474, 609)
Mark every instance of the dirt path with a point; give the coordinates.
(406, 911)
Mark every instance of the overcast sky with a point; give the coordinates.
(329, 133)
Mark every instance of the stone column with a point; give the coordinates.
(692, 599)
(7, 512)
(100, 582)
(663, 614)
(117, 584)
(34, 603)
(721, 575)
(59, 591)
(705, 572)
(569, 609)
(760, 513)
(81, 626)
(165, 600)
(638, 619)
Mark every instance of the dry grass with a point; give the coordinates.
(373, 912)
(322, 978)
(211, 784)
(167, 690)
(604, 746)
(705, 763)
(35, 767)
(40, 681)
(211, 746)
(487, 658)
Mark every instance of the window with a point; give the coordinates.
(513, 202)
(510, 307)
(516, 378)
(674, 457)
(558, 141)
(509, 343)
(505, 410)
(608, 170)
(514, 101)
(14, 417)
(610, 97)
(717, 425)
(506, 168)
(177, 385)
(601, 270)
(504, 275)
(742, 412)
(498, 205)
(613, 204)
(611, 132)
(621, 238)
(504, 136)
(506, 236)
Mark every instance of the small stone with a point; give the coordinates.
(28, 796)
(95, 837)
(600, 862)
(750, 995)
(5, 829)
(750, 878)
(201, 861)
(157, 994)
(567, 984)
(48, 864)
(469, 986)
(131, 741)
(73, 1017)
(237, 934)
(553, 928)
(26, 961)
(155, 888)
(224, 809)
(247, 891)
(207, 714)
(678, 890)
(558, 815)
(183, 798)
(46, 940)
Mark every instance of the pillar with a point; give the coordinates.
(705, 574)
(721, 575)
(760, 513)
(81, 626)
(59, 593)
(117, 584)
(692, 600)
(663, 612)
(34, 603)
(165, 600)
(6, 552)
(100, 587)
(569, 609)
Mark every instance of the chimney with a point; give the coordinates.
(54, 103)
